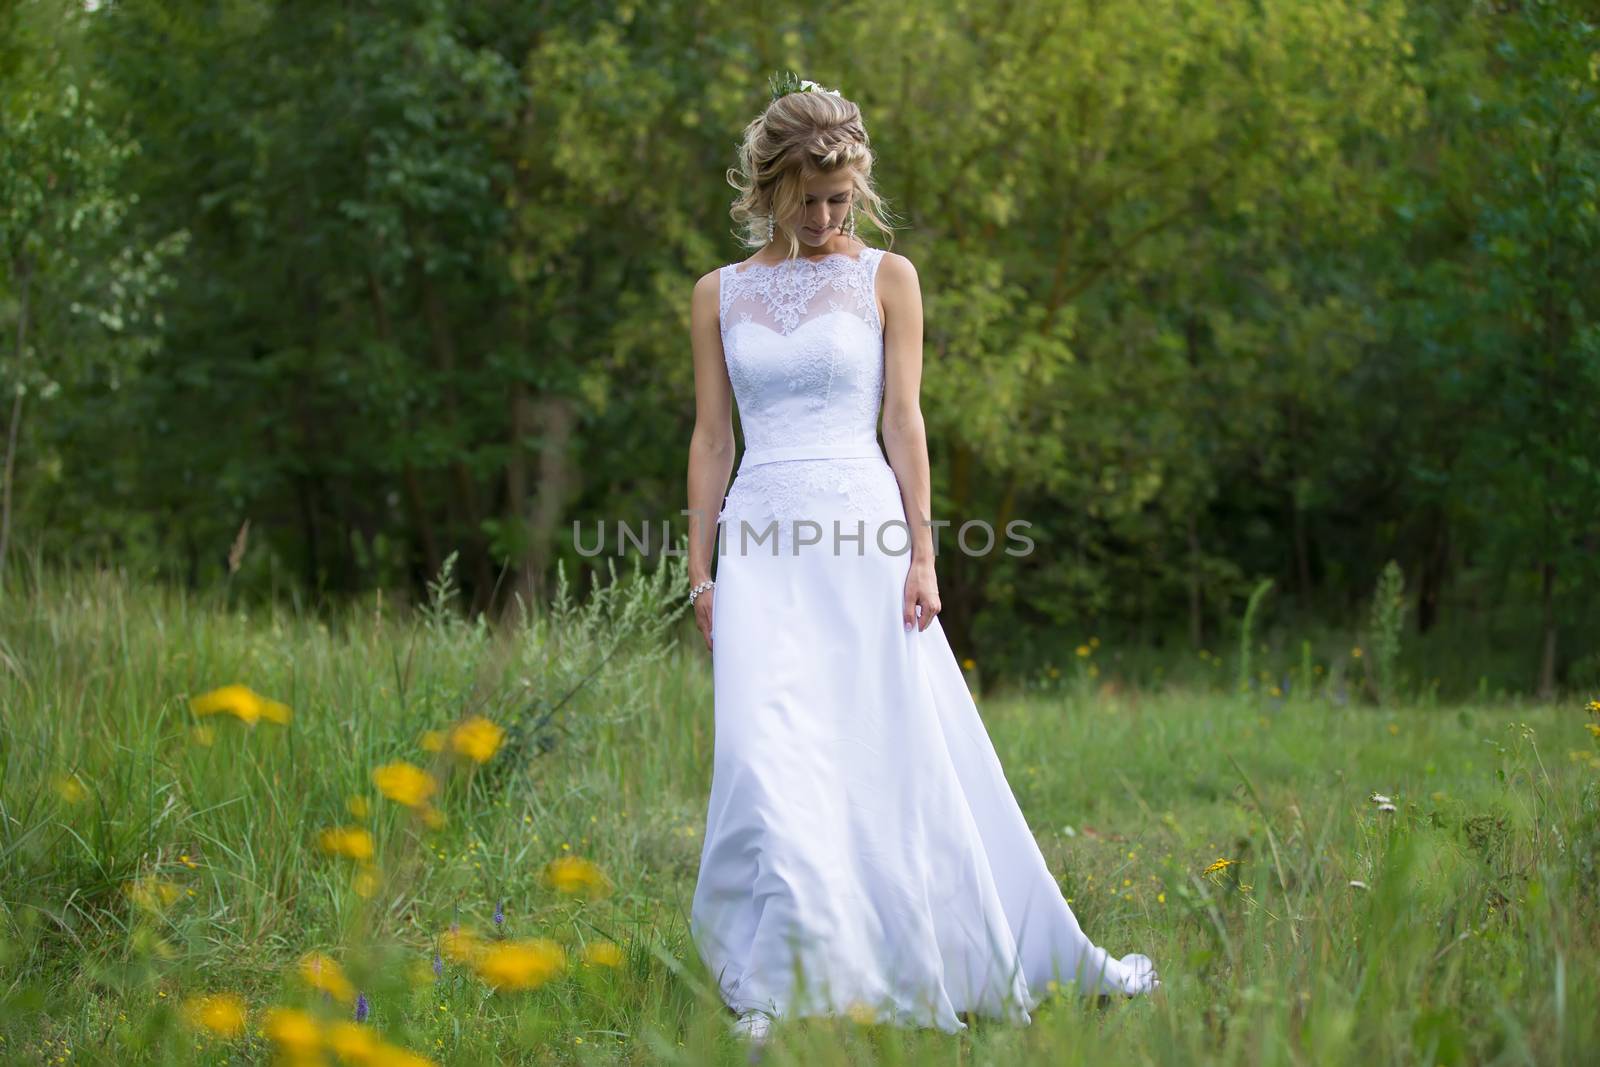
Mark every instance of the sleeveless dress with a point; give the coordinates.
(863, 854)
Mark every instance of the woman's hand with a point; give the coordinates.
(702, 614)
(921, 589)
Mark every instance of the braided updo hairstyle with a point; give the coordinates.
(800, 135)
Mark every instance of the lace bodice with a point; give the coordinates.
(804, 348)
(803, 341)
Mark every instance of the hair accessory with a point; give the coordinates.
(785, 82)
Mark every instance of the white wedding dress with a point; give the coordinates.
(863, 850)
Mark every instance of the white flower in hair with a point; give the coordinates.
(806, 85)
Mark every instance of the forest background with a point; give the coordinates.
(308, 297)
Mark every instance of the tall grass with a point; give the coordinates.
(1459, 927)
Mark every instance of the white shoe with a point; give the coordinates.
(754, 1026)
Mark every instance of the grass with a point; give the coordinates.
(1471, 938)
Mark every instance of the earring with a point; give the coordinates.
(850, 227)
(769, 227)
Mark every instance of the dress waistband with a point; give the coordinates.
(853, 450)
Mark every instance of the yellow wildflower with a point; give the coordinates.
(521, 964)
(602, 954)
(387, 1055)
(477, 738)
(69, 787)
(350, 841)
(462, 946)
(358, 806)
(1594, 707)
(1355, 653)
(404, 783)
(431, 741)
(297, 1035)
(573, 874)
(242, 703)
(220, 1013)
(352, 1042)
(153, 894)
(1219, 866)
(968, 663)
(1084, 650)
(321, 971)
(365, 883)
(859, 1011)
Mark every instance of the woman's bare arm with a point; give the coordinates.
(711, 444)
(905, 437)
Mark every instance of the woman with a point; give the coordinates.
(864, 853)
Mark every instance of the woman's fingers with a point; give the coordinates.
(918, 608)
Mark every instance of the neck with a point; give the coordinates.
(838, 242)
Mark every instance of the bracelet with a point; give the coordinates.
(701, 588)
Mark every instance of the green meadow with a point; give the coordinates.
(152, 857)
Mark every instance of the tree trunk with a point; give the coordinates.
(555, 420)
(467, 514)
(1547, 665)
(416, 504)
(1196, 594)
(1302, 557)
(1435, 566)
(521, 418)
(23, 271)
(417, 507)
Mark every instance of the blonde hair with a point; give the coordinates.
(799, 136)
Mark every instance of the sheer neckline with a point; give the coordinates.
(746, 267)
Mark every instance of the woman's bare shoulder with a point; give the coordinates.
(708, 285)
(896, 266)
(897, 276)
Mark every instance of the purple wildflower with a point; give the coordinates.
(362, 1007)
(438, 964)
(500, 914)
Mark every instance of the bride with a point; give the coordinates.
(864, 854)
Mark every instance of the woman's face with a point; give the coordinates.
(827, 206)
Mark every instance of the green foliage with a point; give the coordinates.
(1211, 291)
(1385, 624)
(1247, 628)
